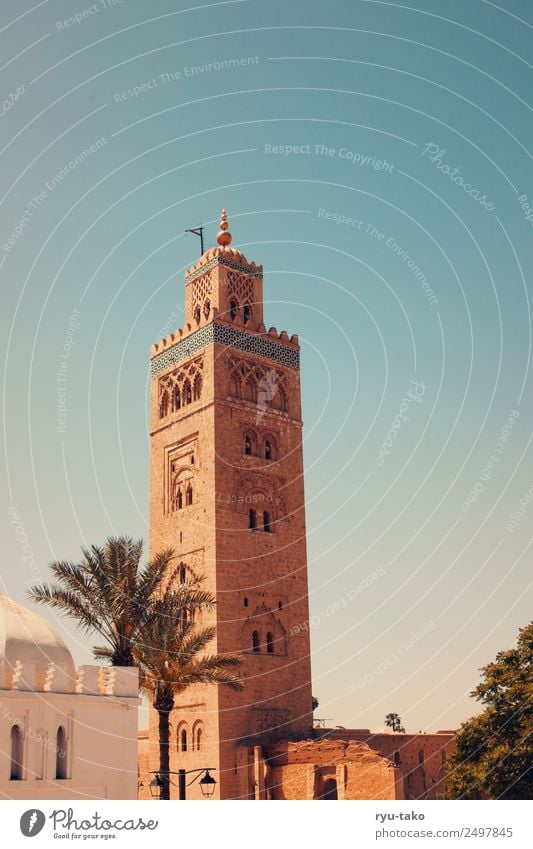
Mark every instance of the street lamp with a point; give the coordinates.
(207, 782)
(155, 787)
(207, 785)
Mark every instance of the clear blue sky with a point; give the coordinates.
(413, 122)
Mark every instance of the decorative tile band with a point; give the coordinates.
(220, 260)
(232, 337)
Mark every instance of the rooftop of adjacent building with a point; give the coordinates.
(34, 658)
(28, 640)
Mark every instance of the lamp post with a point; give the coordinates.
(207, 782)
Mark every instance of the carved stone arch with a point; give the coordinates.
(176, 397)
(17, 754)
(234, 306)
(183, 573)
(263, 492)
(249, 441)
(264, 622)
(279, 399)
(235, 386)
(197, 387)
(269, 446)
(187, 392)
(183, 741)
(181, 480)
(164, 402)
(198, 735)
(250, 389)
(201, 288)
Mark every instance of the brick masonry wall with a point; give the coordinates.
(259, 577)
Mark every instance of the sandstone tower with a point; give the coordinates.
(227, 494)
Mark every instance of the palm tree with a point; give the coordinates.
(145, 619)
(173, 656)
(108, 592)
(392, 720)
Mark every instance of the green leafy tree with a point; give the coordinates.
(493, 758)
(393, 720)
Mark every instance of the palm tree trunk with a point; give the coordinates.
(163, 705)
(164, 754)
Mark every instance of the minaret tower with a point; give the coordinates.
(227, 495)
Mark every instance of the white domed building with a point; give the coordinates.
(65, 733)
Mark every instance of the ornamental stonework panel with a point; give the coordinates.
(232, 337)
(240, 287)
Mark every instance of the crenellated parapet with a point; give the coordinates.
(118, 681)
(32, 677)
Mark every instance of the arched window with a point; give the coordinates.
(245, 601)
(207, 308)
(421, 757)
(250, 391)
(270, 642)
(247, 313)
(268, 450)
(266, 522)
(197, 315)
(176, 397)
(183, 574)
(247, 444)
(61, 753)
(197, 388)
(188, 496)
(183, 740)
(396, 759)
(199, 735)
(280, 605)
(187, 392)
(256, 646)
(233, 309)
(16, 754)
(179, 499)
(235, 387)
(253, 519)
(163, 405)
(279, 398)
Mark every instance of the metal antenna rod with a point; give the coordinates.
(198, 231)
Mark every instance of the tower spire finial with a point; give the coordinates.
(223, 235)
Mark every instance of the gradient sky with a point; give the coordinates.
(412, 589)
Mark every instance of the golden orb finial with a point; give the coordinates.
(223, 235)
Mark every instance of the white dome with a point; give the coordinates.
(32, 655)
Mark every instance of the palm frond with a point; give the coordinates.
(67, 602)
